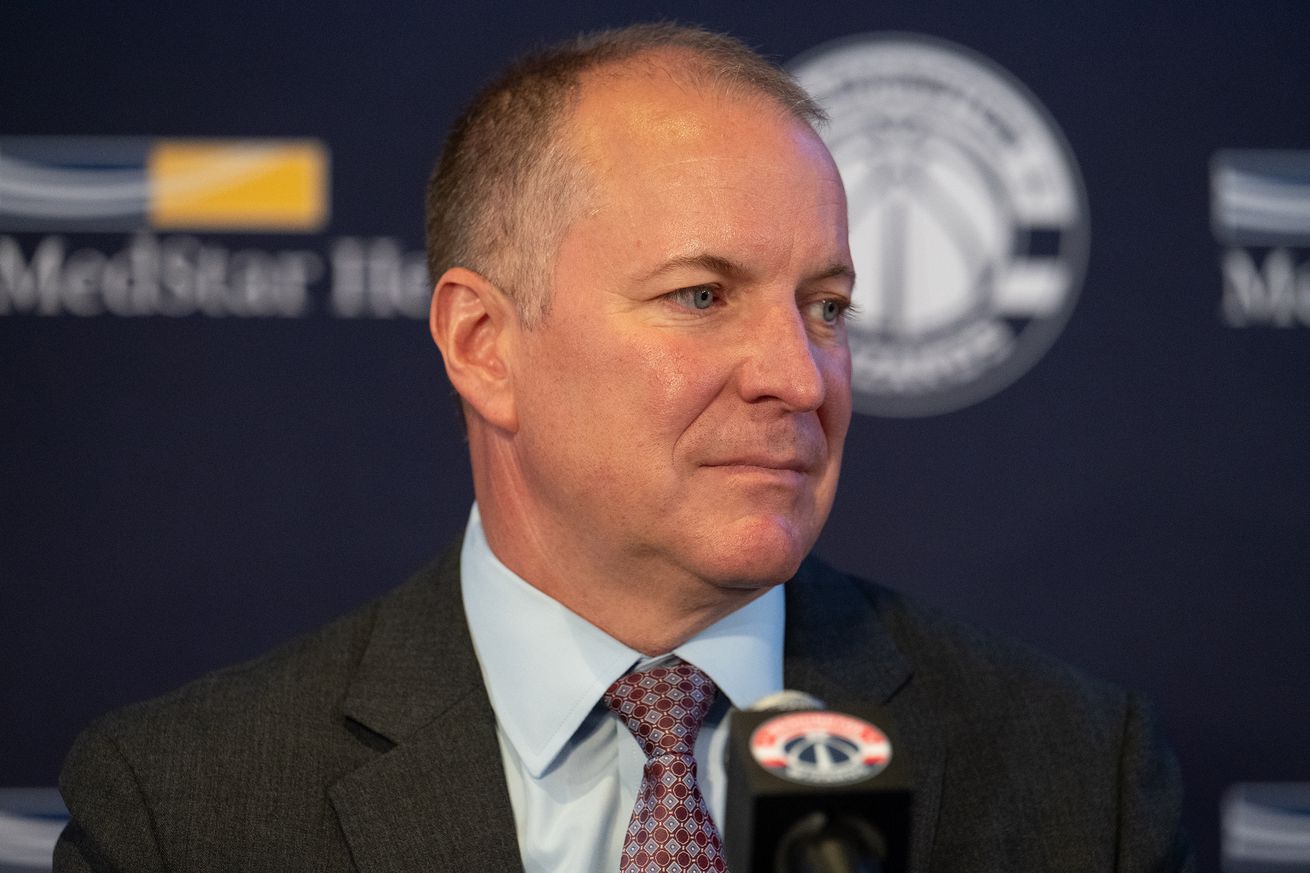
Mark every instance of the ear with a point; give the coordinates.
(474, 324)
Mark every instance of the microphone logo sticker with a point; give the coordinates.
(821, 748)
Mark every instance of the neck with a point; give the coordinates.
(639, 598)
(647, 608)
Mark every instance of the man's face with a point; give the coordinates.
(683, 404)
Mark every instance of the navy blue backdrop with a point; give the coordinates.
(178, 493)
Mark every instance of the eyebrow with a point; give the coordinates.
(835, 271)
(733, 270)
(711, 263)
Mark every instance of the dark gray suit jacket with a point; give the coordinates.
(370, 745)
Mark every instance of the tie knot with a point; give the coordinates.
(663, 707)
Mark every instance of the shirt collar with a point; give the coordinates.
(545, 667)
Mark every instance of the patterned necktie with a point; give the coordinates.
(671, 830)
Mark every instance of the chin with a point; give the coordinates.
(759, 552)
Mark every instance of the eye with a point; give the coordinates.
(830, 310)
(697, 297)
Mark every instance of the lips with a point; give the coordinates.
(794, 444)
(797, 465)
(799, 450)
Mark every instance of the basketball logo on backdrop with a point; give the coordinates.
(969, 226)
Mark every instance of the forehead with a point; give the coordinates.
(637, 117)
(668, 158)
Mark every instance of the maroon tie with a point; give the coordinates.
(671, 830)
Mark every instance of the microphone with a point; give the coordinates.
(811, 790)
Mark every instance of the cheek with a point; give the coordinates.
(663, 382)
(665, 371)
(836, 411)
(626, 393)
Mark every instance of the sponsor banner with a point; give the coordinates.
(30, 822)
(132, 228)
(1260, 212)
(107, 184)
(1266, 828)
(969, 225)
(185, 275)
(1260, 198)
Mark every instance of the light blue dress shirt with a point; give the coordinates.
(572, 768)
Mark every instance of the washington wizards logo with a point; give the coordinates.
(821, 748)
(969, 226)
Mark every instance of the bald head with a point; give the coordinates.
(511, 177)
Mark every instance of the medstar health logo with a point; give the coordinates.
(969, 225)
(821, 748)
(127, 183)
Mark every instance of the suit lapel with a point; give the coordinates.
(436, 798)
(834, 652)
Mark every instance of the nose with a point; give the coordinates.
(781, 362)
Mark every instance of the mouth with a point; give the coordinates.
(767, 464)
(787, 454)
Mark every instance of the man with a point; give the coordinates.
(641, 262)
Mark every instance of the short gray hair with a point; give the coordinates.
(507, 184)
